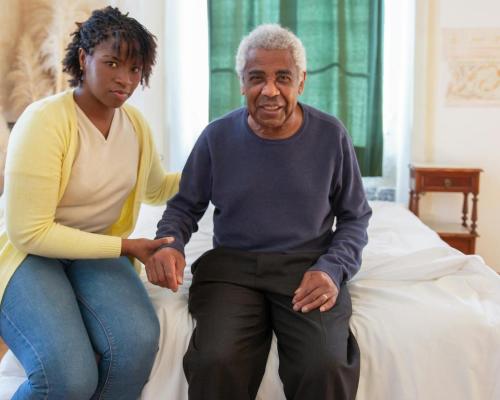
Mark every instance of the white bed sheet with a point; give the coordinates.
(426, 317)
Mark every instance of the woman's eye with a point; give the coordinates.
(112, 64)
(136, 70)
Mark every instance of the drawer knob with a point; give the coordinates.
(448, 183)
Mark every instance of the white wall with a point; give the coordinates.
(465, 135)
(150, 99)
(176, 102)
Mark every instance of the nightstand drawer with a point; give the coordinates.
(436, 182)
(461, 235)
(444, 180)
(466, 244)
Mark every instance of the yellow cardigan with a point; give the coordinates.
(42, 148)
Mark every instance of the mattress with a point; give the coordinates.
(426, 318)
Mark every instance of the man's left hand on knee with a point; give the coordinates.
(316, 290)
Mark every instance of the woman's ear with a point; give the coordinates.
(81, 59)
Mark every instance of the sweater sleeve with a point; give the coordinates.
(37, 149)
(352, 212)
(186, 208)
(160, 186)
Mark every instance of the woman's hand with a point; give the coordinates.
(142, 249)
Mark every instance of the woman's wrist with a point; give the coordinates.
(125, 251)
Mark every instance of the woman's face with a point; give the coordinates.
(109, 76)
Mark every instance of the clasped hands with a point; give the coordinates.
(165, 268)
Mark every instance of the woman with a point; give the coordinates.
(73, 310)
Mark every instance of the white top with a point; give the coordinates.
(103, 174)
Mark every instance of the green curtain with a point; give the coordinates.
(343, 41)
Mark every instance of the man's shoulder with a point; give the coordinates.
(226, 124)
(323, 122)
(232, 117)
(317, 115)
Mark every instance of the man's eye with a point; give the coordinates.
(283, 78)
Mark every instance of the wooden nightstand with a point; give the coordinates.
(455, 180)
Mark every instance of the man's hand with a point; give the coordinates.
(166, 268)
(316, 290)
(142, 249)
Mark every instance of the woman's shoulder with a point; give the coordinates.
(54, 114)
(58, 101)
(52, 108)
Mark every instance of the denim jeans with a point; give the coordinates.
(82, 329)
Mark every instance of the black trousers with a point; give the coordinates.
(238, 298)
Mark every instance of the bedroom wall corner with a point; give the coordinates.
(459, 131)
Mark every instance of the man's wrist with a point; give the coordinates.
(336, 278)
(174, 245)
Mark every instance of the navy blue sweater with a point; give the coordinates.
(275, 195)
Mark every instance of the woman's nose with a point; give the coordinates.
(123, 76)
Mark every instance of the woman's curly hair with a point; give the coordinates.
(108, 23)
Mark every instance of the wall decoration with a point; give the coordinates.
(473, 59)
(40, 30)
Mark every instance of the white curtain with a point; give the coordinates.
(176, 103)
(399, 48)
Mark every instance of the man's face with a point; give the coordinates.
(271, 85)
(110, 77)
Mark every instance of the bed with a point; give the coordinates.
(426, 317)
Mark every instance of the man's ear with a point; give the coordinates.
(302, 82)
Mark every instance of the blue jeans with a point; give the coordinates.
(82, 329)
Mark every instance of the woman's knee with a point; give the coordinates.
(71, 379)
(146, 342)
(78, 384)
(136, 347)
(148, 335)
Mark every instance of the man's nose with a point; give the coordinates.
(270, 89)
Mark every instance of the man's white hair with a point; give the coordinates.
(270, 37)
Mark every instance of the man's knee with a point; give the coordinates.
(325, 363)
(221, 356)
(218, 358)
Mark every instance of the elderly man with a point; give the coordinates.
(279, 173)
